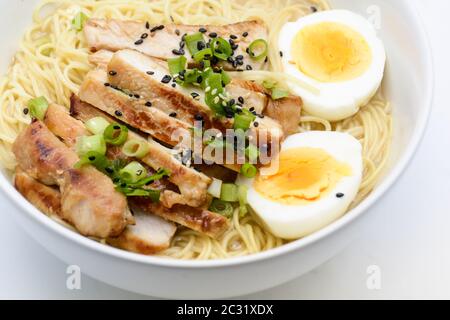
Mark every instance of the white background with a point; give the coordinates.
(409, 241)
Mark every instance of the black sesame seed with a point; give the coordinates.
(229, 115)
(139, 42)
(340, 195)
(241, 100)
(245, 34)
(249, 67)
(177, 32)
(281, 54)
(256, 124)
(173, 115)
(130, 95)
(174, 85)
(137, 96)
(251, 109)
(233, 36)
(182, 44)
(112, 73)
(240, 57)
(198, 117)
(234, 47)
(166, 79)
(195, 95)
(150, 73)
(144, 36)
(116, 127)
(240, 62)
(213, 35)
(201, 45)
(231, 42)
(157, 28)
(314, 9)
(178, 52)
(107, 84)
(247, 50)
(199, 79)
(109, 170)
(261, 116)
(92, 158)
(148, 104)
(118, 113)
(147, 25)
(26, 111)
(202, 30)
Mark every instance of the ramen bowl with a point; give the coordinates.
(408, 85)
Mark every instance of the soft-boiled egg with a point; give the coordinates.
(337, 52)
(318, 176)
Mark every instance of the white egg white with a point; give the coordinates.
(338, 100)
(297, 221)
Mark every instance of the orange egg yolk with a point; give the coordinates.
(331, 52)
(304, 175)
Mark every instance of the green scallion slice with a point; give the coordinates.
(229, 192)
(38, 107)
(97, 125)
(258, 49)
(177, 65)
(133, 172)
(248, 170)
(79, 21)
(116, 134)
(222, 207)
(136, 148)
(86, 144)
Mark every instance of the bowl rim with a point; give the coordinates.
(25, 207)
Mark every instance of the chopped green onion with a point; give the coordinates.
(229, 192)
(221, 48)
(136, 148)
(252, 153)
(96, 159)
(116, 134)
(226, 79)
(242, 121)
(215, 189)
(133, 172)
(278, 93)
(86, 144)
(154, 195)
(97, 125)
(192, 41)
(258, 49)
(242, 195)
(176, 65)
(79, 21)
(269, 84)
(203, 54)
(214, 82)
(38, 107)
(222, 207)
(248, 170)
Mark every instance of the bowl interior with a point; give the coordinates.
(408, 85)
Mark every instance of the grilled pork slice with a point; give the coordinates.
(198, 219)
(192, 184)
(44, 198)
(89, 199)
(101, 58)
(150, 235)
(58, 120)
(287, 112)
(163, 42)
(129, 69)
(128, 108)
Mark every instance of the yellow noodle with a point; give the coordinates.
(53, 60)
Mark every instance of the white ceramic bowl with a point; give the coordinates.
(408, 84)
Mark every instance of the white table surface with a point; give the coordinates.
(409, 241)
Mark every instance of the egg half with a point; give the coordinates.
(318, 176)
(337, 52)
